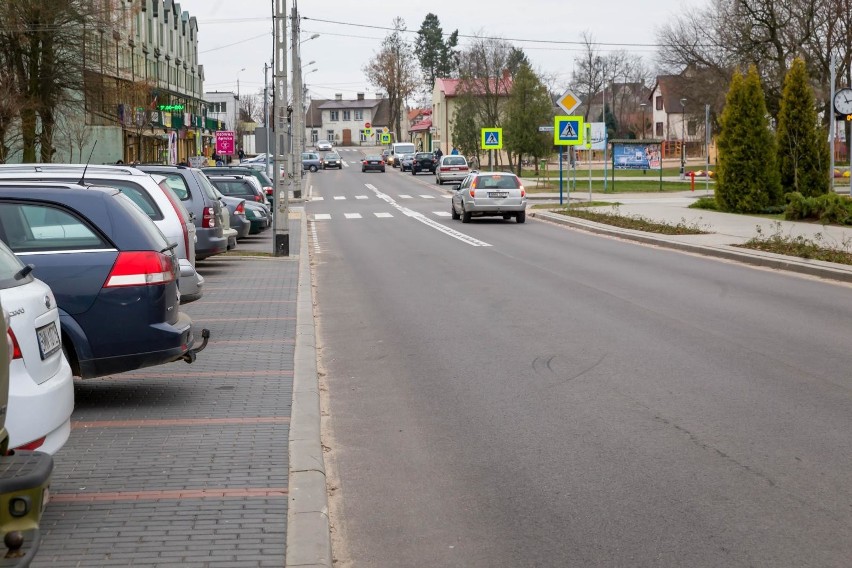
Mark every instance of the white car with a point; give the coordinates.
(41, 387)
(323, 146)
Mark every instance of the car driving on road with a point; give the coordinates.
(323, 146)
(373, 163)
(332, 160)
(452, 168)
(490, 194)
(423, 162)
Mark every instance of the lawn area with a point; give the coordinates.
(582, 169)
(638, 186)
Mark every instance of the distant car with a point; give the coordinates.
(41, 386)
(405, 162)
(489, 194)
(373, 163)
(323, 146)
(386, 155)
(423, 162)
(111, 270)
(332, 160)
(258, 174)
(244, 187)
(311, 161)
(452, 168)
(235, 207)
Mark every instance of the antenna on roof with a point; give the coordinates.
(83, 177)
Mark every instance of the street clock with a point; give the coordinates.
(843, 101)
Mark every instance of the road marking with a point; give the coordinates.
(339, 197)
(383, 215)
(354, 161)
(441, 213)
(312, 229)
(310, 192)
(321, 216)
(345, 165)
(317, 198)
(352, 215)
(405, 197)
(428, 196)
(467, 239)
(361, 197)
(447, 196)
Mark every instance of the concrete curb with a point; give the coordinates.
(817, 268)
(308, 530)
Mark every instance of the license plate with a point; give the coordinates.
(498, 194)
(48, 340)
(455, 169)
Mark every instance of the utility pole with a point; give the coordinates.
(266, 117)
(281, 227)
(296, 122)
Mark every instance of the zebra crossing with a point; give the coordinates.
(357, 197)
(376, 214)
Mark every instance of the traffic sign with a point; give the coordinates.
(568, 130)
(568, 101)
(492, 138)
(225, 142)
(368, 132)
(385, 138)
(367, 125)
(545, 129)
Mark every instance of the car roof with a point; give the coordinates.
(65, 168)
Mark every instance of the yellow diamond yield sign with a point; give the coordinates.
(568, 101)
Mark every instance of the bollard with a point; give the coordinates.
(692, 180)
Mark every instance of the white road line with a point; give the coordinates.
(405, 197)
(428, 196)
(312, 229)
(383, 215)
(310, 192)
(426, 221)
(339, 197)
(353, 161)
(447, 196)
(361, 197)
(345, 165)
(441, 213)
(352, 215)
(317, 198)
(321, 216)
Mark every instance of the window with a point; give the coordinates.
(363, 136)
(329, 135)
(31, 228)
(334, 115)
(659, 102)
(691, 127)
(347, 115)
(176, 183)
(314, 136)
(359, 115)
(658, 131)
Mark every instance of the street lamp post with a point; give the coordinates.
(682, 138)
(237, 119)
(643, 105)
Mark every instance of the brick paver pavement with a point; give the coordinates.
(186, 465)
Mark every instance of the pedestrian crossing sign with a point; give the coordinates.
(385, 138)
(492, 139)
(568, 131)
(368, 132)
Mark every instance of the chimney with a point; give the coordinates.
(338, 96)
(360, 96)
(379, 96)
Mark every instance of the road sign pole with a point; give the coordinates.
(561, 151)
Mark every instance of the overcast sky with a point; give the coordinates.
(236, 35)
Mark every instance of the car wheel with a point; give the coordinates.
(383, 170)
(453, 213)
(521, 216)
(438, 180)
(313, 168)
(506, 217)
(465, 215)
(363, 170)
(413, 172)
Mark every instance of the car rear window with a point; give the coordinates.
(177, 184)
(455, 161)
(145, 223)
(497, 182)
(233, 186)
(138, 195)
(205, 184)
(32, 227)
(423, 155)
(9, 266)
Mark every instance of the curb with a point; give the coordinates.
(308, 530)
(821, 269)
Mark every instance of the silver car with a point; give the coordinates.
(451, 168)
(490, 194)
(311, 161)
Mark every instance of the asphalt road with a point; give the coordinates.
(531, 395)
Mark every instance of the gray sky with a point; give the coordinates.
(232, 39)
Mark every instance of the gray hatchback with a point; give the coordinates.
(199, 197)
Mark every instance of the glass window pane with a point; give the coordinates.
(32, 227)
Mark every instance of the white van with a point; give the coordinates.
(397, 150)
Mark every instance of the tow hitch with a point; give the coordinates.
(189, 356)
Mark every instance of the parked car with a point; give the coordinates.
(262, 178)
(490, 194)
(259, 159)
(24, 481)
(323, 146)
(370, 163)
(41, 387)
(160, 204)
(198, 196)
(311, 161)
(332, 160)
(259, 217)
(240, 186)
(423, 162)
(117, 292)
(405, 162)
(451, 168)
(236, 208)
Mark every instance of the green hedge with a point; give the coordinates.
(830, 208)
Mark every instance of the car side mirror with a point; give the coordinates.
(456, 187)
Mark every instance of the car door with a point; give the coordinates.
(457, 194)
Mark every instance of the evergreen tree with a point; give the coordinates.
(803, 156)
(748, 180)
(529, 106)
(466, 129)
(437, 57)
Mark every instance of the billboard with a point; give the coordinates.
(225, 142)
(639, 156)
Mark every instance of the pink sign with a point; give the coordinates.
(225, 142)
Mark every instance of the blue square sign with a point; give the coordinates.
(568, 130)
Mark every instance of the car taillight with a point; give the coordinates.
(241, 209)
(141, 268)
(16, 349)
(268, 190)
(472, 192)
(258, 198)
(208, 218)
(381, 162)
(445, 169)
(34, 445)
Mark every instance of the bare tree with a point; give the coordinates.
(588, 77)
(73, 128)
(251, 108)
(393, 69)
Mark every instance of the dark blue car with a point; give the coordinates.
(112, 272)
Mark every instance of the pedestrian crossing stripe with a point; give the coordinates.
(383, 215)
(568, 130)
(492, 138)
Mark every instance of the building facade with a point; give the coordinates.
(345, 122)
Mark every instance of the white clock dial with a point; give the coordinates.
(843, 101)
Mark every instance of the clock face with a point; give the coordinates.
(843, 101)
